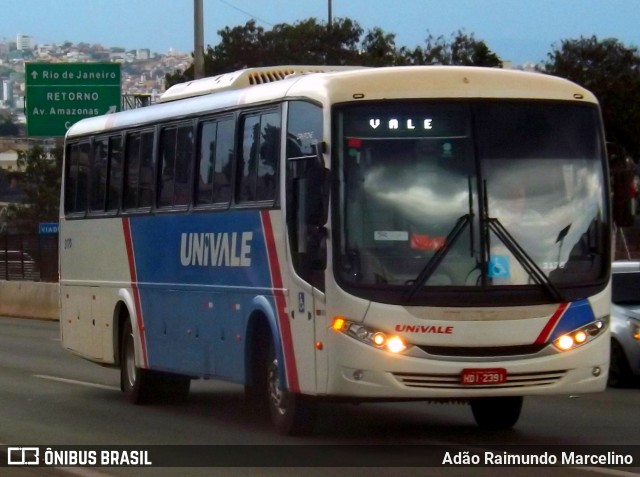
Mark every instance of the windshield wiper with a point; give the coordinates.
(433, 263)
(529, 265)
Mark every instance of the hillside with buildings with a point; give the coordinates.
(142, 71)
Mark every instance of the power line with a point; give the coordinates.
(246, 13)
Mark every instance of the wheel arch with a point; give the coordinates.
(262, 327)
(123, 311)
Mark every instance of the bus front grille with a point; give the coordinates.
(452, 381)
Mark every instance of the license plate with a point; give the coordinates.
(483, 376)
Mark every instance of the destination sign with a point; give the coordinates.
(60, 94)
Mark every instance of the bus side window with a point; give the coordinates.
(71, 178)
(99, 171)
(145, 181)
(115, 173)
(132, 171)
(176, 151)
(304, 132)
(224, 153)
(257, 170)
(77, 178)
(214, 168)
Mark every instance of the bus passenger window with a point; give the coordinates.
(184, 152)
(138, 182)
(73, 179)
(167, 167)
(260, 150)
(222, 170)
(176, 148)
(145, 182)
(214, 170)
(132, 171)
(268, 156)
(115, 172)
(99, 175)
(207, 162)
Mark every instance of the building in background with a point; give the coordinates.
(24, 42)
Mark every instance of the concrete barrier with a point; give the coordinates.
(30, 300)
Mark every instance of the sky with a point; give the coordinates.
(520, 31)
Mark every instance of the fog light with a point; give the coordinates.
(596, 371)
(358, 375)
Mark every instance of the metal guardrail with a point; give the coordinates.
(29, 257)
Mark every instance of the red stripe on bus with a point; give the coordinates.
(551, 324)
(276, 284)
(134, 286)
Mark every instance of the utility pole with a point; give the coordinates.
(198, 40)
(330, 21)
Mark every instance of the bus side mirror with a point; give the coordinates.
(309, 208)
(313, 212)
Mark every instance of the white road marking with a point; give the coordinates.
(79, 383)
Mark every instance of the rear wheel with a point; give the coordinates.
(143, 386)
(291, 413)
(497, 412)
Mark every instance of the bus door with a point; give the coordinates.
(307, 200)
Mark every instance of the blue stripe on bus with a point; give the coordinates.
(577, 314)
(198, 276)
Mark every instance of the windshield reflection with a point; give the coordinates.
(402, 195)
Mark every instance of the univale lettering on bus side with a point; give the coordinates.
(212, 249)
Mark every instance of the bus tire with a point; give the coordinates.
(620, 374)
(292, 414)
(144, 386)
(136, 383)
(497, 412)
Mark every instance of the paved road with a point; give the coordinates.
(48, 398)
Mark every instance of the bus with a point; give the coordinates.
(344, 234)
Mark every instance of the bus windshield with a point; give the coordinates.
(483, 194)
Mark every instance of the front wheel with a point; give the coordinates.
(291, 413)
(620, 374)
(497, 412)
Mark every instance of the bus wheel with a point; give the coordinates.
(619, 371)
(291, 413)
(143, 386)
(496, 413)
(135, 382)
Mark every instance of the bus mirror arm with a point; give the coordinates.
(324, 175)
(321, 150)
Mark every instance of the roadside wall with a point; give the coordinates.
(29, 299)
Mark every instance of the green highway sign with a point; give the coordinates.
(60, 94)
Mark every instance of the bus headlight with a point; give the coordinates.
(634, 328)
(580, 336)
(372, 337)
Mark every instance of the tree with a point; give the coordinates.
(611, 71)
(462, 49)
(8, 125)
(305, 42)
(40, 179)
(310, 42)
(379, 49)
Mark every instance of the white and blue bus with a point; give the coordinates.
(347, 234)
